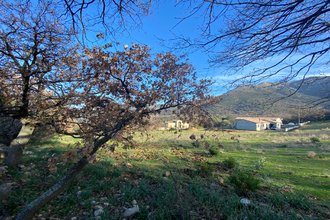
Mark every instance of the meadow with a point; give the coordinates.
(171, 176)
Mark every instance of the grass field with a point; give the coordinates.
(172, 178)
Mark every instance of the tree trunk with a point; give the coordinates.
(31, 209)
(17, 145)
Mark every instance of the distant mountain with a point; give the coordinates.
(313, 86)
(270, 99)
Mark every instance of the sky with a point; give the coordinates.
(165, 19)
(159, 25)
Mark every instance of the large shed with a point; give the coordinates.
(256, 123)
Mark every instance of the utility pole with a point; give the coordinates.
(299, 109)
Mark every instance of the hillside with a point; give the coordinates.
(269, 99)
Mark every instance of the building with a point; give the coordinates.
(176, 124)
(256, 123)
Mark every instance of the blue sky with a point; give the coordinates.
(164, 20)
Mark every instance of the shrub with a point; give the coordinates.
(311, 154)
(204, 169)
(230, 162)
(260, 163)
(244, 182)
(214, 150)
(260, 151)
(315, 139)
(195, 143)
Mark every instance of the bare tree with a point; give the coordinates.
(292, 35)
(108, 16)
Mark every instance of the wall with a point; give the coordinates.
(246, 125)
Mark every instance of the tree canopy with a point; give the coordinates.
(291, 36)
(111, 17)
(112, 92)
(33, 47)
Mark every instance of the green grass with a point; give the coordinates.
(290, 181)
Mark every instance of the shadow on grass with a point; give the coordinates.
(117, 182)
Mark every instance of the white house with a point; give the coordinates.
(176, 124)
(256, 123)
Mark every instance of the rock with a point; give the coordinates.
(129, 165)
(131, 211)
(245, 201)
(3, 170)
(134, 202)
(93, 202)
(98, 218)
(28, 152)
(21, 166)
(5, 190)
(98, 212)
(74, 218)
(85, 213)
(106, 204)
(98, 207)
(166, 174)
(221, 181)
(79, 192)
(150, 215)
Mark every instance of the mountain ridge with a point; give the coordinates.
(273, 99)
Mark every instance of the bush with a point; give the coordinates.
(244, 182)
(260, 163)
(204, 169)
(214, 150)
(230, 162)
(315, 139)
(311, 154)
(195, 143)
